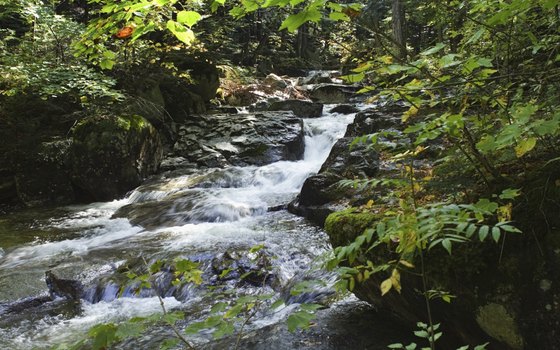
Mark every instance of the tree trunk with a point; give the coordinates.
(399, 29)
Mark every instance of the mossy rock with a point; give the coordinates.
(111, 155)
(344, 226)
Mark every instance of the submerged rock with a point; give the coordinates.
(111, 155)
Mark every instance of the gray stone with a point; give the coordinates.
(240, 139)
(303, 109)
(111, 155)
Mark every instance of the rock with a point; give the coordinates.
(240, 139)
(63, 288)
(42, 174)
(332, 93)
(180, 100)
(351, 161)
(275, 82)
(303, 109)
(497, 322)
(111, 155)
(344, 109)
(318, 77)
(371, 121)
(457, 322)
(316, 189)
(224, 109)
(320, 193)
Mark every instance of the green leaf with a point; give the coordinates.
(471, 229)
(525, 146)
(129, 330)
(496, 234)
(169, 343)
(172, 317)
(190, 18)
(509, 228)
(486, 205)
(293, 22)
(104, 335)
(234, 311)
(353, 78)
(223, 329)
(438, 47)
(299, 320)
(339, 16)
(446, 243)
(218, 307)
(510, 193)
(483, 232)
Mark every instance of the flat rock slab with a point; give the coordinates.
(300, 108)
(240, 139)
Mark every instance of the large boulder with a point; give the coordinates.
(42, 175)
(111, 155)
(240, 139)
(320, 194)
(371, 121)
(332, 93)
(300, 108)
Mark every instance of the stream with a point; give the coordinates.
(202, 216)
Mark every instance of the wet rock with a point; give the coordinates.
(332, 93)
(344, 109)
(111, 155)
(63, 288)
(320, 193)
(351, 160)
(242, 268)
(371, 121)
(240, 139)
(303, 109)
(224, 109)
(317, 189)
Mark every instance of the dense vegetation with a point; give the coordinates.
(478, 81)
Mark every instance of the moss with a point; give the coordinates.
(109, 124)
(496, 321)
(344, 226)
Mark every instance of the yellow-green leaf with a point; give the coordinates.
(525, 146)
(396, 280)
(190, 18)
(386, 286)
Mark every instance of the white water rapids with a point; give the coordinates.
(230, 212)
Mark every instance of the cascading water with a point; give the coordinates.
(209, 212)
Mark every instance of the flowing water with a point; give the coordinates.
(195, 215)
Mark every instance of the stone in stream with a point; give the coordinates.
(63, 288)
(344, 109)
(240, 139)
(300, 108)
(332, 93)
(320, 192)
